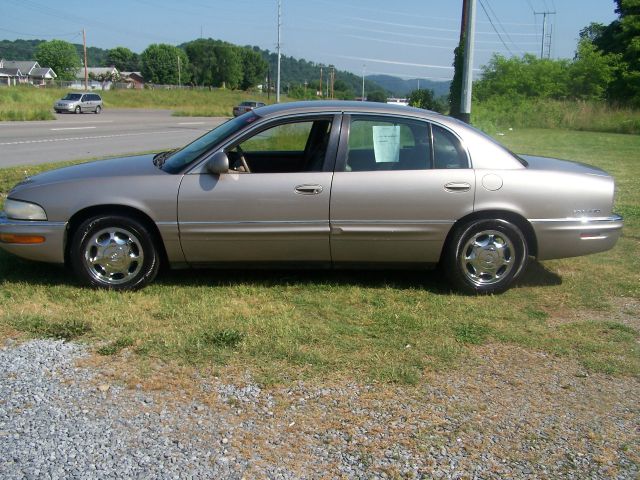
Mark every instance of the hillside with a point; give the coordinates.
(401, 88)
(26, 50)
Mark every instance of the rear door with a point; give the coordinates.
(399, 186)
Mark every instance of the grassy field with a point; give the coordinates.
(498, 114)
(29, 103)
(384, 326)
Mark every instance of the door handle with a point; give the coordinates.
(308, 189)
(457, 187)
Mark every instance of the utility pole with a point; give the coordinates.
(86, 72)
(278, 79)
(546, 34)
(467, 72)
(364, 67)
(320, 81)
(179, 76)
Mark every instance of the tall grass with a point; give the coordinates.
(30, 103)
(500, 113)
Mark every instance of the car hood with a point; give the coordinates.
(557, 165)
(67, 102)
(140, 165)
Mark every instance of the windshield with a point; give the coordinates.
(195, 149)
(72, 96)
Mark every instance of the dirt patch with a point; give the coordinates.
(624, 310)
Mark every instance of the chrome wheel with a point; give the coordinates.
(113, 256)
(487, 257)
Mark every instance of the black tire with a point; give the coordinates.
(78, 109)
(98, 109)
(485, 256)
(114, 252)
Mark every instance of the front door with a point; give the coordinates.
(272, 206)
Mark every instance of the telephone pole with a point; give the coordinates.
(546, 34)
(364, 67)
(86, 74)
(467, 71)
(278, 47)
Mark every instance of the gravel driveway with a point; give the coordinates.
(507, 413)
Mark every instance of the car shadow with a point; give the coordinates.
(14, 269)
(537, 275)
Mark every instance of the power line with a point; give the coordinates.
(502, 26)
(495, 29)
(71, 34)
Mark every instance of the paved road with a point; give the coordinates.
(113, 132)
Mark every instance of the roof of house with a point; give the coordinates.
(10, 72)
(43, 72)
(25, 66)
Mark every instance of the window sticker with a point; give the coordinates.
(386, 143)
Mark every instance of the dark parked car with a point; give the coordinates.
(312, 184)
(245, 107)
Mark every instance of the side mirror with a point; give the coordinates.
(218, 164)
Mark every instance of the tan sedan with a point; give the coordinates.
(341, 184)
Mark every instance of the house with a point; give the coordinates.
(133, 79)
(14, 72)
(100, 78)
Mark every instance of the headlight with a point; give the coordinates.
(19, 210)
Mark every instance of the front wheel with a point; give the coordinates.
(98, 109)
(485, 256)
(78, 109)
(114, 252)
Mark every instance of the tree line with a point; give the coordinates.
(606, 67)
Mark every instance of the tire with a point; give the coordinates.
(114, 252)
(485, 256)
(98, 109)
(78, 109)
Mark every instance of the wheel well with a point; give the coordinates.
(518, 220)
(76, 220)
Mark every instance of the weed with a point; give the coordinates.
(63, 330)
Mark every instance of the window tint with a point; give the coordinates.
(387, 144)
(447, 150)
(286, 147)
(290, 137)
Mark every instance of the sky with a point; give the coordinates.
(405, 38)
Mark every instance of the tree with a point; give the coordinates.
(455, 88)
(165, 64)
(61, 56)
(377, 96)
(123, 59)
(227, 72)
(425, 98)
(203, 60)
(592, 72)
(622, 36)
(254, 68)
(104, 77)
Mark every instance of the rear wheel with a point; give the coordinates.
(78, 109)
(114, 252)
(485, 256)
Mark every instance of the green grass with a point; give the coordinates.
(386, 326)
(30, 103)
(498, 114)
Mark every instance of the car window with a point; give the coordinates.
(183, 157)
(447, 150)
(387, 144)
(286, 147)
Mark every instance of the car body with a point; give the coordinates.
(337, 184)
(79, 102)
(245, 107)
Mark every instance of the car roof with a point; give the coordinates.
(320, 106)
(333, 106)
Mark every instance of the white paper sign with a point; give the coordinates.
(386, 143)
